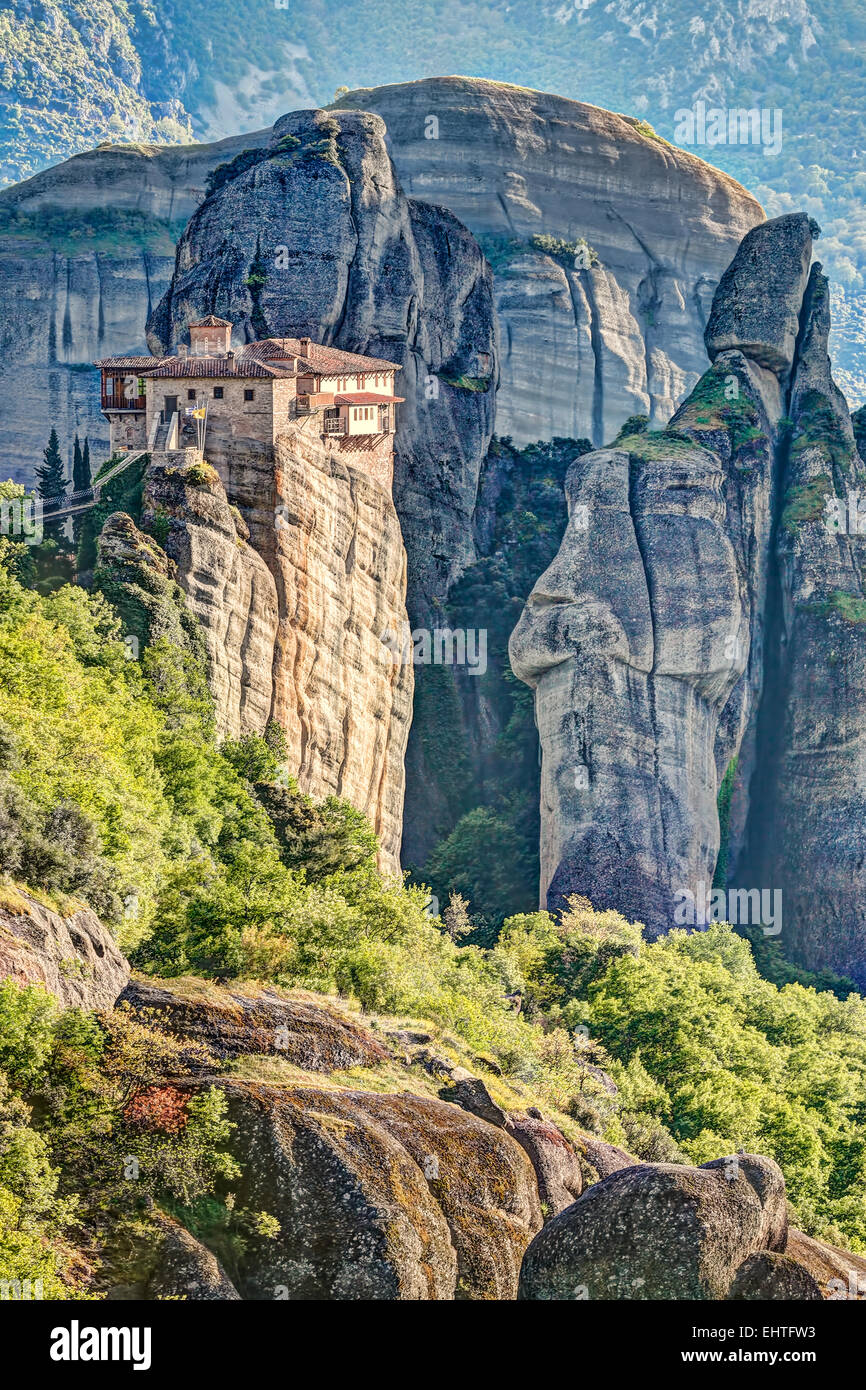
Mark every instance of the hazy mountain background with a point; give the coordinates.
(76, 72)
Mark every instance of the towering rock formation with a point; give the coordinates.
(586, 340)
(287, 616)
(805, 833)
(701, 610)
(315, 237)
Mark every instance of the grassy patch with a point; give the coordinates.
(657, 445)
(467, 383)
(847, 606)
(806, 503)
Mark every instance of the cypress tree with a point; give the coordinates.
(81, 481)
(76, 462)
(51, 476)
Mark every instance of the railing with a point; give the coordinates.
(302, 405)
(335, 426)
(122, 402)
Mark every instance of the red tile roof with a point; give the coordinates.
(366, 398)
(212, 322)
(328, 360)
(218, 367)
(135, 364)
(266, 358)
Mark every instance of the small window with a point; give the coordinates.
(218, 393)
(249, 395)
(190, 395)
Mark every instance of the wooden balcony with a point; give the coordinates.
(122, 402)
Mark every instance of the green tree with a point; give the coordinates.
(81, 481)
(51, 477)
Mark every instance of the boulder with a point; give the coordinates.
(659, 1231)
(557, 1166)
(378, 1196)
(74, 956)
(771, 1276)
(839, 1274)
(604, 1158)
(471, 1093)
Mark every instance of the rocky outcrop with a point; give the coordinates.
(586, 340)
(641, 642)
(558, 1170)
(291, 590)
(804, 836)
(602, 1158)
(840, 1275)
(232, 1023)
(378, 1196)
(185, 1269)
(756, 310)
(703, 617)
(73, 956)
(660, 1231)
(470, 1093)
(342, 255)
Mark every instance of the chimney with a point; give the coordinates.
(306, 344)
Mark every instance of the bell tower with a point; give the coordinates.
(211, 337)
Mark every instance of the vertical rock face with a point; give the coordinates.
(228, 587)
(806, 829)
(291, 606)
(342, 255)
(340, 572)
(638, 642)
(582, 348)
(702, 609)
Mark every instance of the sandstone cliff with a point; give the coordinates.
(700, 611)
(289, 607)
(582, 348)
